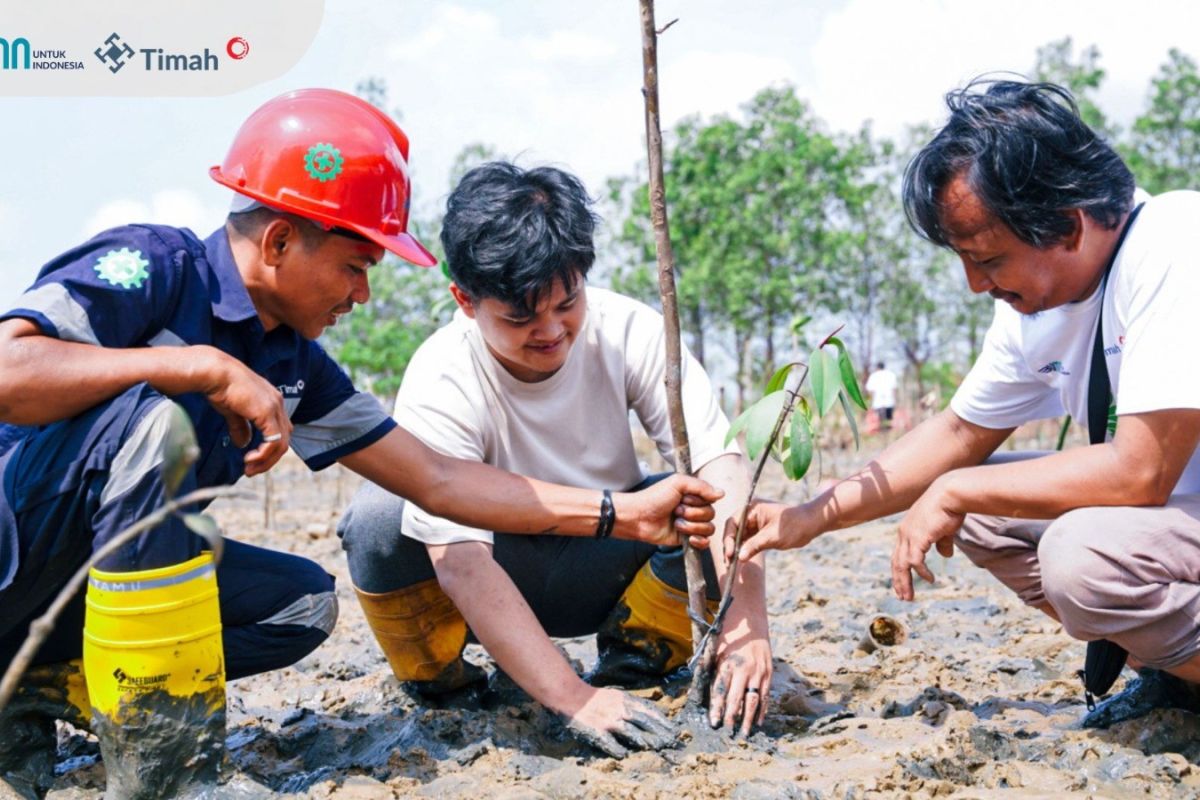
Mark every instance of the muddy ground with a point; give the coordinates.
(981, 701)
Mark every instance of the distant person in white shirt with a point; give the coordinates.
(538, 373)
(881, 385)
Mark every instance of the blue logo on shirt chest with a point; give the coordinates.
(292, 389)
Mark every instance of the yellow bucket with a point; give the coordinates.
(150, 631)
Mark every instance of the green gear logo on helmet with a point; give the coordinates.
(323, 162)
(125, 268)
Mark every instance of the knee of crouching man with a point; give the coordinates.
(1075, 571)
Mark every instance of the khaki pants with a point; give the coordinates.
(1130, 575)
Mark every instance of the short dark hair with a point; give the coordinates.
(509, 233)
(1027, 155)
(252, 223)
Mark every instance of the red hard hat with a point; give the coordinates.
(330, 157)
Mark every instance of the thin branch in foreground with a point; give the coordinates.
(706, 652)
(707, 649)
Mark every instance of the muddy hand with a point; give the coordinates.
(679, 505)
(616, 723)
(742, 687)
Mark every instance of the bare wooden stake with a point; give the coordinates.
(697, 586)
(268, 501)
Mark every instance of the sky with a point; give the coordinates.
(550, 82)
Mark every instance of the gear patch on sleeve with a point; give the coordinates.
(125, 268)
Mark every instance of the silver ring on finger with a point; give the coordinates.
(752, 690)
(274, 437)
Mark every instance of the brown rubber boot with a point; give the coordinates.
(646, 636)
(422, 634)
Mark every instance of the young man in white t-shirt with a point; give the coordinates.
(1106, 538)
(538, 373)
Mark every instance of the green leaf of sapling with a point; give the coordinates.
(849, 379)
(763, 416)
(801, 451)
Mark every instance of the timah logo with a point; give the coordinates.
(114, 53)
(11, 54)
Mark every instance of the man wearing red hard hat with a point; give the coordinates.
(117, 335)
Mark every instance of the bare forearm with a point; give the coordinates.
(512, 635)
(475, 494)
(900, 474)
(1047, 487)
(47, 380)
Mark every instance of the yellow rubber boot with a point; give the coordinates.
(28, 736)
(646, 636)
(155, 672)
(422, 634)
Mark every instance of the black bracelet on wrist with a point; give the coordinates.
(608, 516)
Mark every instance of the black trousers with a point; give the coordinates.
(570, 582)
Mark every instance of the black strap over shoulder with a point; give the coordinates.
(1099, 390)
(1105, 659)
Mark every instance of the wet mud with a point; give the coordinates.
(163, 745)
(980, 700)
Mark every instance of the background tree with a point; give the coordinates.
(1164, 146)
(756, 206)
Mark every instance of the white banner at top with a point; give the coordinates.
(161, 48)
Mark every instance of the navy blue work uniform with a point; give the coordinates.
(66, 488)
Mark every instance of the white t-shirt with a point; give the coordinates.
(1037, 366)
(572, 428)
(881, 385)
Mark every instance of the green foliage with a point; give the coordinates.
(832, 381)
(760, 422)
(846, 369)
(799, 445)
(751, 203)
(1164, 147)
(825, 379)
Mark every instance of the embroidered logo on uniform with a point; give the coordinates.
(323, 162)
(125, 268)
(1054, 366)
